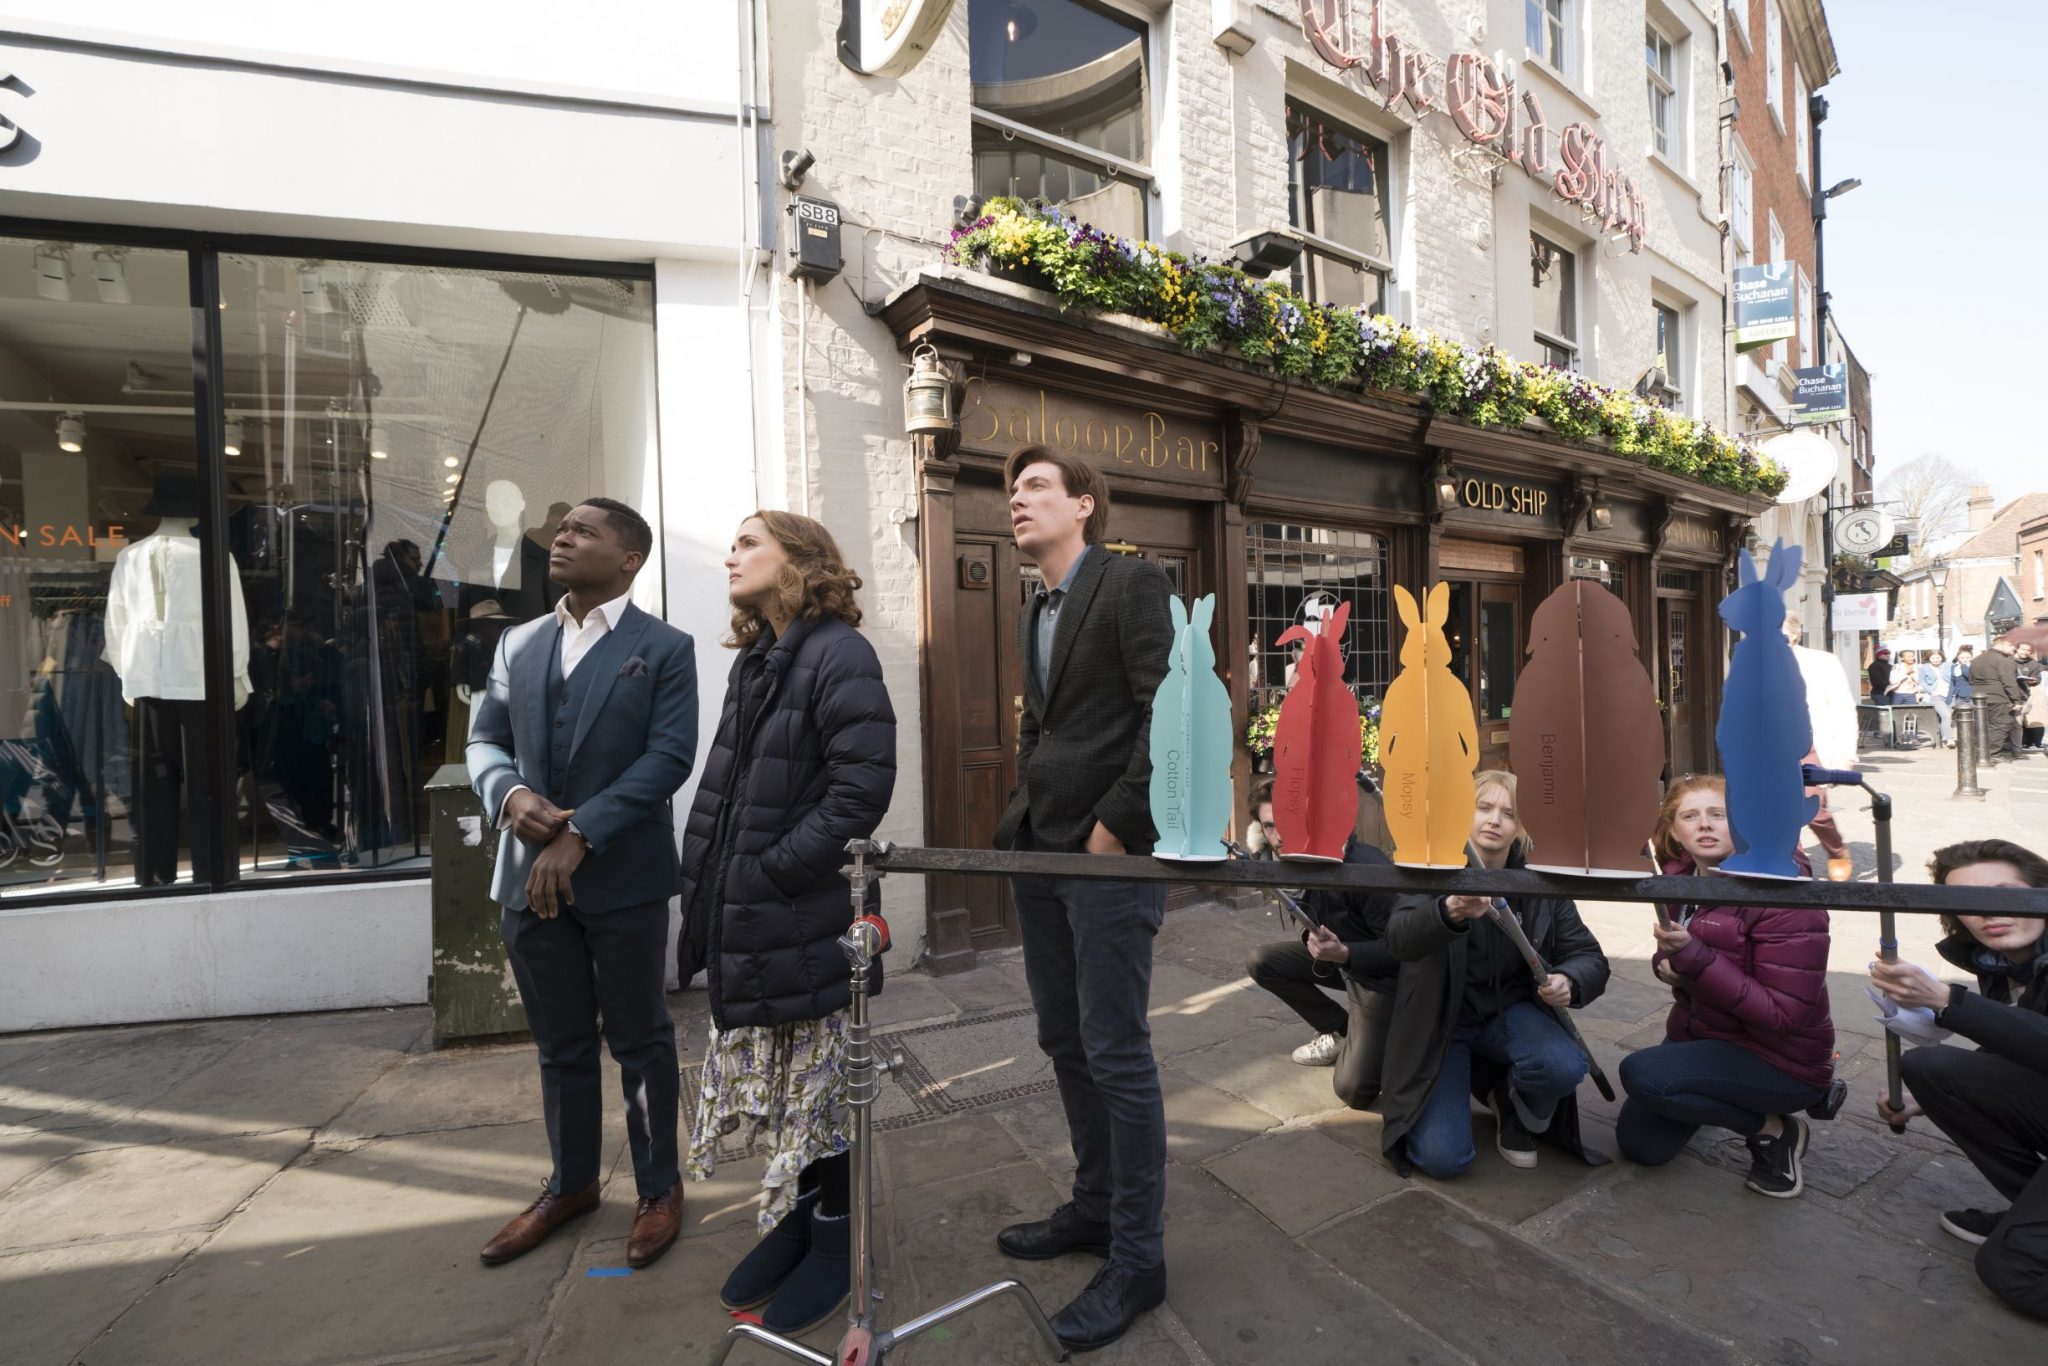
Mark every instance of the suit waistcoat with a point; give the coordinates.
(565, 699)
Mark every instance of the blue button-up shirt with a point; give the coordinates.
(1048, 621)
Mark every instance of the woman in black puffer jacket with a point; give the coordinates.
(804, 760)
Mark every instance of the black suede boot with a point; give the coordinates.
(816, 1289)
(769, 1263)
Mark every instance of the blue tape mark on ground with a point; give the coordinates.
(610, 1271)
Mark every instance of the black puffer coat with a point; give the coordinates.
(804, 760)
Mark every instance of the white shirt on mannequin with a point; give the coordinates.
(156, 640)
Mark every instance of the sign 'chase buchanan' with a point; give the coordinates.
(1488, 109)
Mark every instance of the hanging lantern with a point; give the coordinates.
(928, 393)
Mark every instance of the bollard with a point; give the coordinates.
(1983, 718)
(1967, 730)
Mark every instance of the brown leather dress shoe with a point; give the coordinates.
(531, 1228)
(656, 1222)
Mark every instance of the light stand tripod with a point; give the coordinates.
(863, 1345)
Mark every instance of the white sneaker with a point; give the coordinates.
(1321, 1051)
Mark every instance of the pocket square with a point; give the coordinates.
(636, 667)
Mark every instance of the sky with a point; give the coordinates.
(1935, 264)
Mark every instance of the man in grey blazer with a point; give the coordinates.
(1096, 641)
(586, 730)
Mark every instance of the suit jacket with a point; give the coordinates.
(633, 743)
(1996, 675)
(1084, 750)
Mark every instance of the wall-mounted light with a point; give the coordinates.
(110, 272)
(71, 432)
(232, 444)
(1443, 485)
(928, 393)
(1264, 253)
(380, 448)
(1599, 516)
(53, 272)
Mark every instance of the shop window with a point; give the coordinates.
(1671, 355)
(1554, 272)
(1667, 113)
(1285, 566)
(1337, 196)
(399, 442)
(1061, 93)
(1549, 31)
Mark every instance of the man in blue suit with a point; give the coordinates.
(586, 730)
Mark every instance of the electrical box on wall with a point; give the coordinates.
(814, 239)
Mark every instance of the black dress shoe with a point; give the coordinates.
(1043, 1239)
(1109, 1306)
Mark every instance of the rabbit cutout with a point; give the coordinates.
(1191, 740)
(1586, 738)
(1764, 732)
(1429, 742)
(1317, 747)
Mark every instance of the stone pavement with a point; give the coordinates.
(313, 1189)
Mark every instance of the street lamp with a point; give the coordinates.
(1937, 574)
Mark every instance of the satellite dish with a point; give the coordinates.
(1808, 459)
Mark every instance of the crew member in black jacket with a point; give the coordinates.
(1991, 1100)
(1095, 644)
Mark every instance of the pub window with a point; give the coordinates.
(1800, 134)
(1285, 565)
(1671, 354)
(1061, 94)
(1549, 33)
(1554, 273)
(1607, 573)
(1337, 198)
(1774, 61)
(1666, 112)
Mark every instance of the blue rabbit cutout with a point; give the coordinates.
(1191, 743)
(1764, 732)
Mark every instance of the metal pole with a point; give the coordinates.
(1984, 756)
(1887, 941)
(1965, 718)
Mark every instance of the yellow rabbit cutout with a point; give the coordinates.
(1429, 742)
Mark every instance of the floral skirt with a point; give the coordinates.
(781, 1088)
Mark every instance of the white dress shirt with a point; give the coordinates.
(577, 641)
(156, 639)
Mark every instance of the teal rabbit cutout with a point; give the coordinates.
(1191, 737)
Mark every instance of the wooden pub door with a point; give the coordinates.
(984, 667)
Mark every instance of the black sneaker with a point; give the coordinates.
(1973, 1226)
(1775, 1170)
(1517, 1145)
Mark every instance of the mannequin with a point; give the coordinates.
(518, 572)
(156, 642)
(469, 659)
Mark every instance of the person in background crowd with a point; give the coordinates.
(2027, 667)
(1465, 994)
(1906, 681)
(2034, 721)
(1958, 671)
(1831, 708)
(1880, 675)
(1095, 639)
(1994, 679)
(1261, 836)
(1749, 1042)
(1992, 1101)
(803, 761)
(1934, 689)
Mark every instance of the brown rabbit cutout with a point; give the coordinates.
(1429, 742)
(1586, 739)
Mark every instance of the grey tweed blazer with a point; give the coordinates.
(1084, 747)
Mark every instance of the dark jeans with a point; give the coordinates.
(1674, 1089)
(1996, 1111)
(1088, 958)
(1287, 969)
(571, 970)
(168, 740)
(1544, 1066)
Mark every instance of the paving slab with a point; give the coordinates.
(1214, 940)
(1497, 1298)
(142, 1189)
(976, 1057)
(1791, 1280)
(1255, 1067)
(1249, 1293)
(1038, 1124)
(1629, 997)
(1510, 1195)
(101, 1076)
(1840, 1158)
(930, 1154)
(1910, 1205)
(26, 1150)
(1299, 1178)
(1202, 1120)
(909, 998)
(1190, 1010)
(296, 1072)
(997, 983)
(456, 1088)
(358, 1254)
(55, 1301)
(486, 1354)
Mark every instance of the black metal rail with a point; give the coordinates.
(1913, 898)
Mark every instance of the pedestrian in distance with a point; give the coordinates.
(2001, 700)
(1906, 680)
(1831, 710)
(1749, 1042)
(1469, 1018)
(804, 760)
(1934, 691)
(1880, 675)
(1095, 639)
(1992, 1101)
(585, 730)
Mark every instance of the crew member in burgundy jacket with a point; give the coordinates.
(1749, 1042)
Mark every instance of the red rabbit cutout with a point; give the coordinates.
(1316, 748)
